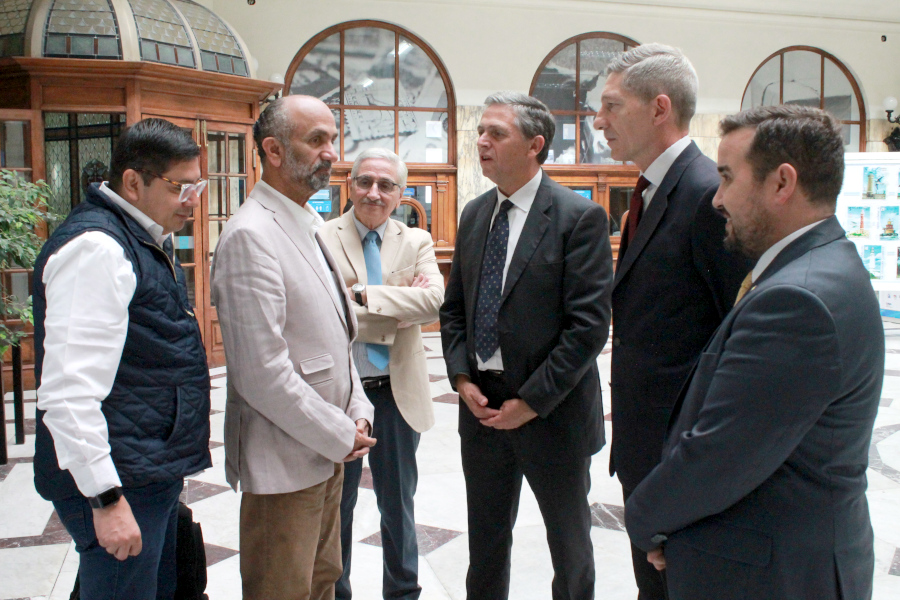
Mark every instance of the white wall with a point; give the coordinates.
(489, 45)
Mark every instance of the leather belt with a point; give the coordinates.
(371, 383)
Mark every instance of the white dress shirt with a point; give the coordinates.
(769, 255)
(360, 353)
(658, 169)
(522, 199)
(310, 222)
(89, 285)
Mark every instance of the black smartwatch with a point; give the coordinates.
(358, 289)
(107, 498)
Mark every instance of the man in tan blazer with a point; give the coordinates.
(296, 408)
(396, 286)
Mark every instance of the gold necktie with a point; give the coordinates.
(745, 287)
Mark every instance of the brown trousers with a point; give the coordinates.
(290, 543)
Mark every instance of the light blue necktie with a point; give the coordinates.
(379, 354)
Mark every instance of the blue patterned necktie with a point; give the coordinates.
(487, 338)
(379, 354)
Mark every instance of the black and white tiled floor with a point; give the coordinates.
(37, 559)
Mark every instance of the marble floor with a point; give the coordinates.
(37, 559)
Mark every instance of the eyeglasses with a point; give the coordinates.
(385, 186)
(187, 189)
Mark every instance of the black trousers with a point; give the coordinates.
(651, 583)
(493, 469)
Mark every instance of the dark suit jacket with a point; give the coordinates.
(553, 319)
(761, 490)
(674, 283)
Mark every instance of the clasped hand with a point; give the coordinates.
(512, 414)
(362, 442)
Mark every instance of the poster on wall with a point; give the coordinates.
(874, 183)
(873, 259)
(858, 220)
(869, 210)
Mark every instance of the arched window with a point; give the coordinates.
(387, 89)
(353, 67)
(811, 77)
(569, 82)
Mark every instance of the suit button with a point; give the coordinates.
(617, 342)
(382, 338)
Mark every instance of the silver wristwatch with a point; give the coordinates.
(358, 289)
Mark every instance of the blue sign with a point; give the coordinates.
(322, 206)
(410, 191)
(584, 193)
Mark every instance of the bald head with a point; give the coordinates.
(295, 137)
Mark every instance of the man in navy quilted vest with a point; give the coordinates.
(123, 383)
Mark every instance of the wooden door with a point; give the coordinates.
(228, 163)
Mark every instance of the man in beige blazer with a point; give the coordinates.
(296, 409)
(396, 286)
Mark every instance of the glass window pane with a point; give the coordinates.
(420, 82)
(562, 150)
(802, 78)
(191, 285)
(208, 61)
(82, 46)
(108, 46)
(596, 54)
(765, 87)
(851, 138)
(148, 50)
(215, 230)
(423, 137)
(337, 124)
(55, 44)
(319, 74)
(12, 145)
(237, 193)
(423, 194)
(369, 66)
(407, 215)
(184, 243)
(556, 84)
(367, 129)
(619, 197)
(167, 54)
(840, 99)
(218, 203)
(594, 149)
(215, 152)
(236, 154)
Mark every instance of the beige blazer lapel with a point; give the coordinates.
(352, 246)
(390, 247)
(305, 244)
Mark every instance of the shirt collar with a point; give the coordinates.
(153, 228)
(306, 215)
(362, 230)
(657, 170)
(523, 197)
(769, 255)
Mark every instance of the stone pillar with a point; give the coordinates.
(705, 132)
(876, 131)
(470, 183)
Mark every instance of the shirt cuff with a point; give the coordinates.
(97, 477)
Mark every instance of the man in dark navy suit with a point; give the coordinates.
(674, 281)
(525, 315)
(761, 489)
